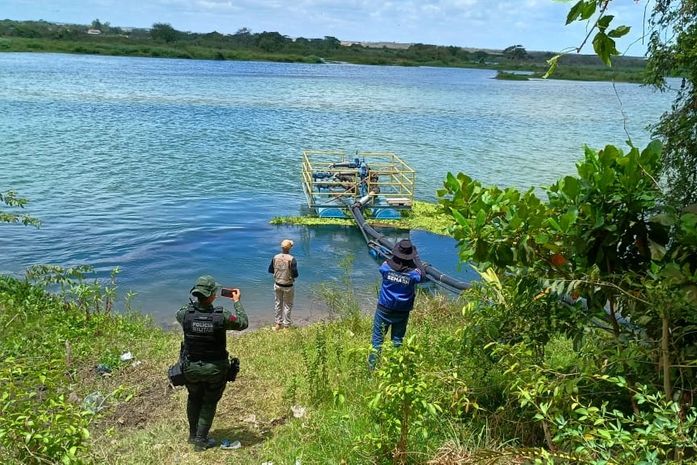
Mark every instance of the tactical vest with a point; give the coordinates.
(204, 334)
(282, 273)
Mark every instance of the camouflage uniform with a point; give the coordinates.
(205, 359)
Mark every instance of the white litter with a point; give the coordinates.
(230, 445)
(126, 356)
(298, 411)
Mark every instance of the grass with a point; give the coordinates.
(118, 46)
(424, 216)
(588, 73)
(506, 76)
(145, 49)
(279, 370)
(321, 367)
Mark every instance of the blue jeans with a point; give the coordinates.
(384, 320)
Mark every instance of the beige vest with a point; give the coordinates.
(281, 269)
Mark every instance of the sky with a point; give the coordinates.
(496, 24)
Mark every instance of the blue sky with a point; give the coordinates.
(536, 24)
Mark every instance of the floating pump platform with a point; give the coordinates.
(374, 184)
(333, 181)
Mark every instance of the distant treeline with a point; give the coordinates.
(162, 40)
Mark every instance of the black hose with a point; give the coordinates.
(384, 247)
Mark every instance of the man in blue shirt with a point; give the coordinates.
(396, 298)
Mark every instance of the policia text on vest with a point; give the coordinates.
(201, 325)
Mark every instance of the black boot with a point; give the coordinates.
(202, 441)
(201, 444)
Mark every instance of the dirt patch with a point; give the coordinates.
(135, 395)
(151, 403)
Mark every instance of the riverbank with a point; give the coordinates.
(302, 394)
(587, 68)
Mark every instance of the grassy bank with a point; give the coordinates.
(205, 48)
(423, 215)
(466, 387)
(146, 49)
(320, 367)
(506, 76)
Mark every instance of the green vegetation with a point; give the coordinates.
(576, 347)
(509, 372)
(10, 199)
(311, 221)
(626, 264)
(594, 73)
(49, 348)
(506, 76)
(423, 215)
(162, 40)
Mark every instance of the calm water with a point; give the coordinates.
(172, 168)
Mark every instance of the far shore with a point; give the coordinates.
(576, 67)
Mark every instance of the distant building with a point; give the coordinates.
(94, 32)
(393, 45)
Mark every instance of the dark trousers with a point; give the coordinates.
(396, 322)
(205, 382)
(200, 406)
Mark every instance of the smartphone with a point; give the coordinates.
(226, 292)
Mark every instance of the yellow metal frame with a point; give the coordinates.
(395, 179)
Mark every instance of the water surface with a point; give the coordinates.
(172, 168)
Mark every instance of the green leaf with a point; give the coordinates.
(571, 187)
(553, 223)
(553, 63)
(451, 182)
(604, 22)
(459, 218)
(604, 47)
(575, 12)
(588, 9)
(619, 31)
(481, 218)
(567, 219)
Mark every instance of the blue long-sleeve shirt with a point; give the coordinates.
(398, 288)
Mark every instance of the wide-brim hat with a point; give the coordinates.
(206, 286)
(404, 250)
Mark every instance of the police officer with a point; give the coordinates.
(204, 355)
(400, 275)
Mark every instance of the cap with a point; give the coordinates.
(404, 250)
(206, 286)
(286, 244)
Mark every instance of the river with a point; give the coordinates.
(171, 168)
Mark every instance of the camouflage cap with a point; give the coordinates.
(205, 285)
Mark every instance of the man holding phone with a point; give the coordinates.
(204, 355)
